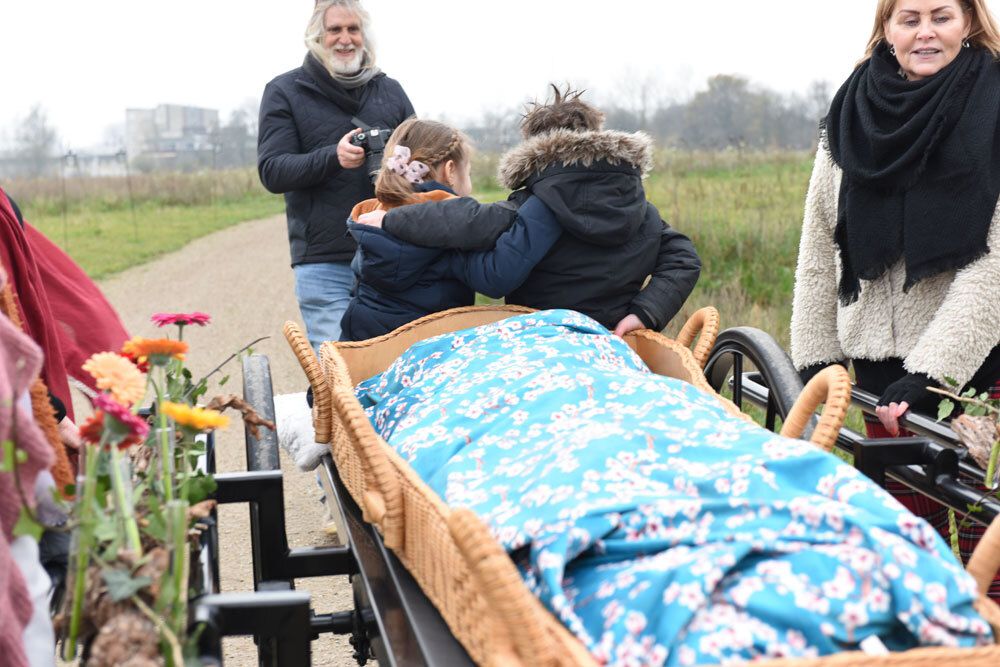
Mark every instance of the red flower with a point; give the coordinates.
(125, 428)
(180, 319)
(141, 365)
(93, 429)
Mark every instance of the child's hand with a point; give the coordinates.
(628, 323)
(373, 218)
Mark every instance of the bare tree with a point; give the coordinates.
(35, 142)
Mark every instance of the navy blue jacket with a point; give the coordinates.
(614, 239)
(398, 282)
(297, 156)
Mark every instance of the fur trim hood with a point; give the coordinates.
(565, 147)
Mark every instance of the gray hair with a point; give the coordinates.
(316, 29)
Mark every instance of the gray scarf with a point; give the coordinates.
(367, 72)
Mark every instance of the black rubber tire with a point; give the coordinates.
(772, 362)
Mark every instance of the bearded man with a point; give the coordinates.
(304, 152)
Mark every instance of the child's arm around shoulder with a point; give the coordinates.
(674, 277)
(456, 224)
(501, 270)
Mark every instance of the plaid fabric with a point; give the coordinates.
(931, 510)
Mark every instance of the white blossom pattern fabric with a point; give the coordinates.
(658, 528)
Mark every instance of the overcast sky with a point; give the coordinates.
(85, 62)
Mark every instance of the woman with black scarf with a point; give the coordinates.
(899, 262)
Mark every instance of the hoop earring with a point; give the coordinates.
(892, 49)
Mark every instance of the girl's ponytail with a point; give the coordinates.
(429, 142)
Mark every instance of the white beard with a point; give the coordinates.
(351, 66)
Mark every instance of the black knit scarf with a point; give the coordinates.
(921, 167)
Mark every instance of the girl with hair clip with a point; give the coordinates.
(398, 282)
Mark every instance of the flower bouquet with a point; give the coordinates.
(139, 497)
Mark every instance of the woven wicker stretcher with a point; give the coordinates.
(451, 554)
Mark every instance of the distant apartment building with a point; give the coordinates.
(170, 135)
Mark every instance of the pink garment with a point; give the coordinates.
(20, 362)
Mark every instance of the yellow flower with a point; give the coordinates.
(199, 419)
(118, 375)
(160, 349)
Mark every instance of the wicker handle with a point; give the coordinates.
(383, 497)
(706, 322)
(831, 387)
(322, 402)
(504, 590)
(985, 560)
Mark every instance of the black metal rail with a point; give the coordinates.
(934, 463)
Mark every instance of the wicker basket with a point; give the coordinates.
(465, 573)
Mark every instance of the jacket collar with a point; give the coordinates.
(565, 147)
(369, 205)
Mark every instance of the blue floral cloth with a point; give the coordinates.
(658, 528)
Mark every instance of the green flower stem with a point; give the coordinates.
(991, 469)
(124, 502)
(166, 460)
(84, 545)
(953, 535)
(177, 520)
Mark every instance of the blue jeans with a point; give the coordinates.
(323, 292)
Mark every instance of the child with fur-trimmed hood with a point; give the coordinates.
(613, 239)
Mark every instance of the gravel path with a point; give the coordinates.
(241, 277)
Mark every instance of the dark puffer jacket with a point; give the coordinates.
(398, 282)
(613, 238)
(297, 156)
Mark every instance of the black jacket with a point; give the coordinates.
(398, 282)
(613, 238)
(297, 156)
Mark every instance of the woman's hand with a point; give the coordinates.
(349, 155)
(898, 397)
(69, 434)
(373, 218)
(628, 323)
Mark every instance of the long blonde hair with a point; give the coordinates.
(983, 27)
(316, 29)
(430, 142)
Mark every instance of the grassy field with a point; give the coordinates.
(744, 213)
(110, 224)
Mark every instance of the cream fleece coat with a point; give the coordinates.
(945, 326)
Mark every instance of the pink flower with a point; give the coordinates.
(123, 424)
(181, 319)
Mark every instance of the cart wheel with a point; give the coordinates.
(262, 451)
(740, 347)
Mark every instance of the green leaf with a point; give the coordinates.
(122, 585)
(975, 411)
(973, 508)
(7, 459)
(70, 490)
(951, 381)
(224, 380)
(969, 393)
(106, 529)
(945, 408)
(985, 396)
(200, 486)
(27, 526)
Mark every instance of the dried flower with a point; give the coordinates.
(118, 375)
(157, 351)
(122, 424)
(181, 319)
(198, 419)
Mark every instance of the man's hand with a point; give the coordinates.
(349, 155)
(628, 323)
(373, 218)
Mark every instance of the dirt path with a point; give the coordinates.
(241, 277)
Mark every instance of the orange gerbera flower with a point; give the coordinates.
(118, 375)
(198, 419)
(156, 351)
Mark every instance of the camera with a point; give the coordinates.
(373, 140)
